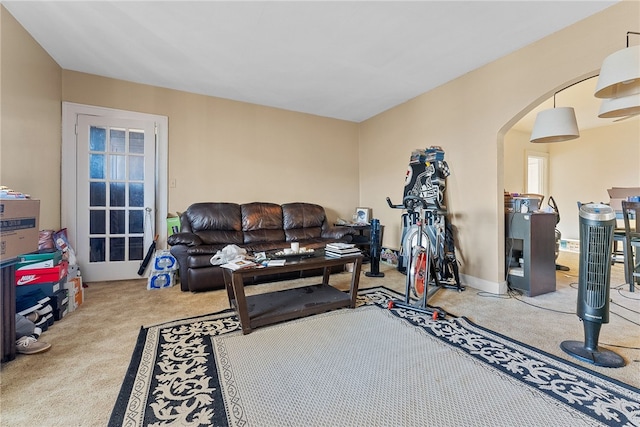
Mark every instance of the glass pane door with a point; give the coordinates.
(115, 185)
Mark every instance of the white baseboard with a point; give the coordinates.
(484, 285)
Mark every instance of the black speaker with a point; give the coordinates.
(374, 250)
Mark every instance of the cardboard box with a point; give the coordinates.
(61, 312)
(163, 261)
(160, 280)
(73, 270)
(41, 275)
(173, 225)
(59, 302)
(78, 297)
(48, 289)
(19, 227)
(76, 292)
(40, 260)
(618, 194)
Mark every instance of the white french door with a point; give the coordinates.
(115, 195)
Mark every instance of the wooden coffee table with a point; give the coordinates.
(292, 303)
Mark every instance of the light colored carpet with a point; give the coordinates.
(367, 367)
(91, 348)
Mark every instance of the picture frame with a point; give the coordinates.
(362, 215)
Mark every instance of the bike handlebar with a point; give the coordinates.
(409, 203)
(392, 206)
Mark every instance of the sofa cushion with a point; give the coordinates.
(217, 237)
(214, 223)
(262, 222)
(302, 221)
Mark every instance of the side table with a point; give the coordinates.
(363, 239)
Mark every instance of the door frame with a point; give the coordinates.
(544, 173)
(68, 191)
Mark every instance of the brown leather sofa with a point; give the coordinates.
(206, 228)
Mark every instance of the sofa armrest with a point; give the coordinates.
(187, 239)
(341, 233)
(180, 253)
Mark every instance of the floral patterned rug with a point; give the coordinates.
(366, 366)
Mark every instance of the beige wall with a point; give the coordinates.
(222, 150)
(580, 170)
(30, 109)
(468, 118)
(583, 169)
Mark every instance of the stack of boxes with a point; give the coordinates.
(47, 279)
(40, 282)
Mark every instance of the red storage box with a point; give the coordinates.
(41, 275)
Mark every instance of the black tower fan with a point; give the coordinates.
(597, 222)
(375, 249)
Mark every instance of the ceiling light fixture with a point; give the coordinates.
(625, 106)
(556, 124)
(620, 73)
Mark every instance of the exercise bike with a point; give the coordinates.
(430, 267)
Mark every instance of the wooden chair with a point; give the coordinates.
(631, 215)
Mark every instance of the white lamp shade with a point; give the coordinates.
(620, 74)
(620, 107)
(555, 125)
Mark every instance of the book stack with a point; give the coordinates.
(338, 250)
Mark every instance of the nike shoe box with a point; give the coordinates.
(33, 276)
(39, 260)
(47, 289)
(54, 304)
(30, 302)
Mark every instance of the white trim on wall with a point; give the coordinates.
(500, 288)
(70, 112)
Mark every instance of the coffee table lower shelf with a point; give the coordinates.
(274, 307)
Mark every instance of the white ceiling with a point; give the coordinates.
(345, 60)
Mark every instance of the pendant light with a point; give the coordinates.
(625, 106)
(555, 124)
(620, 73)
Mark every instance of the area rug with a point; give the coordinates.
(354, 367)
